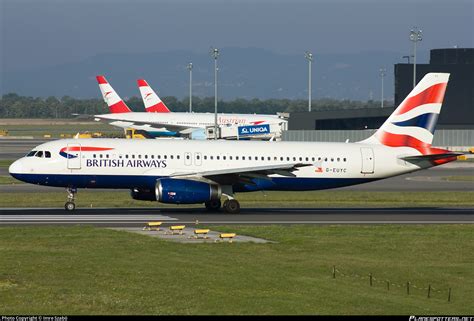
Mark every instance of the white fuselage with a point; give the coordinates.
(121, 163)
(186, 120)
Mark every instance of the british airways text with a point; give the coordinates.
(125, 163)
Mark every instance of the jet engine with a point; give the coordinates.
(184, 191)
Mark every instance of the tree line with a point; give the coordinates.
(16, 106)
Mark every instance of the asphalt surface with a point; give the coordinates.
(16, 148)
(135, 217)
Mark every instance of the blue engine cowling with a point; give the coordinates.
(183, 191)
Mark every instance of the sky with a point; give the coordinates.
(41, 33)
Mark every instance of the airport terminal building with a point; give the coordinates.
(456, 121)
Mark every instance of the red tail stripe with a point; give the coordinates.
(395, 140)
(119, 107)
(142, 83)
(158, 108)
(431, 95)
(101, 80)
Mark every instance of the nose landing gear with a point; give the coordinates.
(71, 196)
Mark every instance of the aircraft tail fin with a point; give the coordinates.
(152, 102)
(413, 123)
(111, 98)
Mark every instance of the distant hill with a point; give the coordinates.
(244, 73)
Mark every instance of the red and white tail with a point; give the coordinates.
(413, 123)
(111, 98)
(153, 103)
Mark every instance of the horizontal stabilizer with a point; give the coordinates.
(431, 157)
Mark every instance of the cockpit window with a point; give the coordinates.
(30, 154)
(39, 154)
(47, 154)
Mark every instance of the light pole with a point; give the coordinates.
(190, 68)
(382, 75)
(215, 55)
(309, 57)
(415, 36)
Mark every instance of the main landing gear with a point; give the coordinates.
(71, 196)
(231, 205)
(213, 205)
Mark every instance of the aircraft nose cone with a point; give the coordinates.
(16, 167)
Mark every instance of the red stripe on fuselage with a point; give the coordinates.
(431, 95)
(84, 149)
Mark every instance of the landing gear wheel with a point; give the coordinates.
(69, 206)
(213, 205)
(232, 206)
(71, 196)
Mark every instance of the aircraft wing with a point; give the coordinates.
(154, 124)
(241, 175)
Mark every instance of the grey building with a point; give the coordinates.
(458, 106)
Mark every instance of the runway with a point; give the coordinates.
(134, 217)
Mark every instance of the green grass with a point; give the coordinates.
(459, 178)
(38, 130)
(97, 198)
(8, 180)
(5, 163)
(83, 270)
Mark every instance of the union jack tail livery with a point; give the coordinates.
(153, 103)
(111, 98)
(413, 123)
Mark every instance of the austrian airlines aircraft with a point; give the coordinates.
(159, 120)
(192, 172)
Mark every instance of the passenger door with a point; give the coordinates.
(368, 160)
(74, 156)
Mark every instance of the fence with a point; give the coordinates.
(390, 285)
(442, 137)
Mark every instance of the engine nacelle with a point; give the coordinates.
(143, 194)
(183, 191)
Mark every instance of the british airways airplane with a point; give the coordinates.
(159, 121)
(196, 172)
